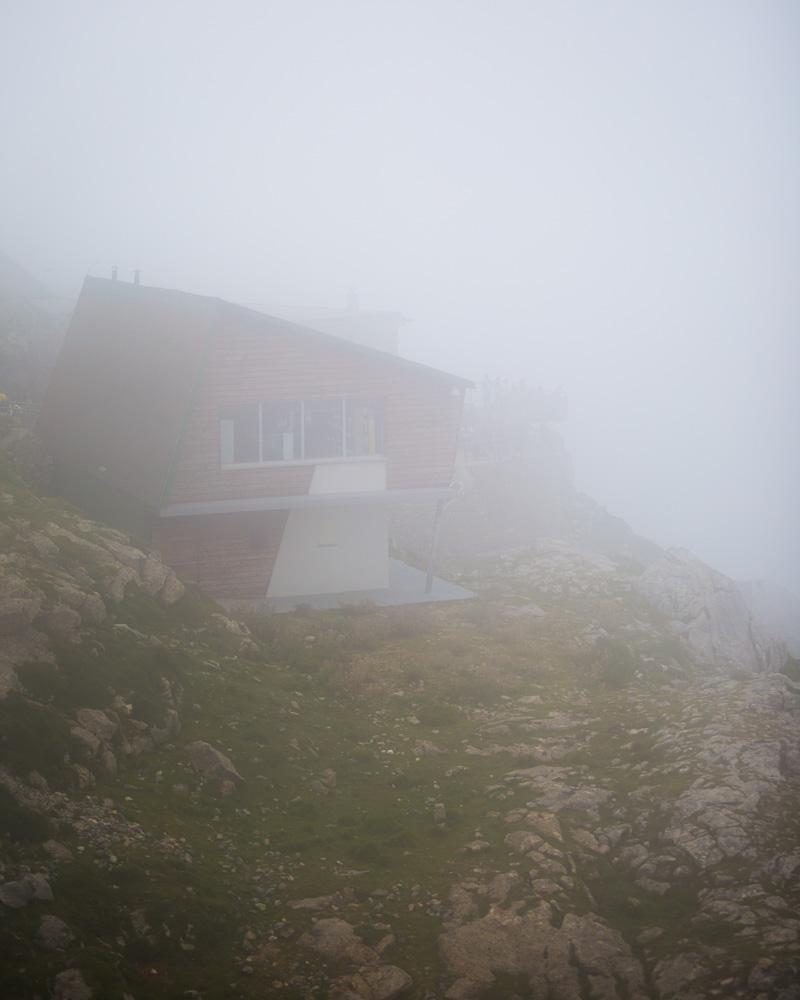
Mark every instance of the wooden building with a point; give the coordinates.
(259, 456)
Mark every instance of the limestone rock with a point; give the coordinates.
(556, 960)
(707, 609)
(322, 902)
(61, 621)
(20, 604)
(172, 591)
(153, 574)
(336, 940)
(53, 934)
(90, 743)
(70, 985)
(19, 893)
(98, 723)
(57, 851)
(122, 578)
(211, 763)
(381, 982)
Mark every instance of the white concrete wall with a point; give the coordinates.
(365, 475)
(329, 550)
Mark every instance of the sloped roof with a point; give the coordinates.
(126, 376)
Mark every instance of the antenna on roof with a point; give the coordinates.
(136, 275)
(114, 273)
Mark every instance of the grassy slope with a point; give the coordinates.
(352, 691)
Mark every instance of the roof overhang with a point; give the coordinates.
(304, 500)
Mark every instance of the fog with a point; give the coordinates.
(598, 196)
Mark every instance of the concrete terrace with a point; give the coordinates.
(406, 586)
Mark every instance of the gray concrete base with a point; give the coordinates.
(406, 586)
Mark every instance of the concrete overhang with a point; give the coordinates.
(305, 500)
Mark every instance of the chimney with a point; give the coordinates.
(136, 276)
(114, 273)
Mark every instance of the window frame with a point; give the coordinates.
(303, 460)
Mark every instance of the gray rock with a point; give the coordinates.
(172, 591)
(336, 940)
(523, 841)
(25, 890)
(44, 547)
(126, 554)
(15, 894)
(61, 621)
(53, 934)
(97, 723)
(20, 604)
(381, 982)
(87, 740)
(93, 610)
(120, 581)
(153, 574)
(556, 960)
(58, 851)
(708, 611)
(322, 902)
(70, 985)
(211, 763)
(673, 976)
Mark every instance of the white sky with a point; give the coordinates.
(602, 195)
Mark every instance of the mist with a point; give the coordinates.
(599, 197)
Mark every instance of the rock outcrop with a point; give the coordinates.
(707, 610)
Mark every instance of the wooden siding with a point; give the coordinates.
(229, 555)
(251, 362)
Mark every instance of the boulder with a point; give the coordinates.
(555, 960)
(90, 743)
(211, 763)
(336, 940)
(25, 890)
(153, 574)
(172, 591)
(124, 576)
(70, 985)
(53, 934)
(98, 723)
(380, 982)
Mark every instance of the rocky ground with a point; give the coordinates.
(546, 792)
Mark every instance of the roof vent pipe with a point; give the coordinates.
(136, 275)
(114, 273)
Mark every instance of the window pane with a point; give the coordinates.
(323, 430)
(364, 427)
(280, 432)
(239, 433)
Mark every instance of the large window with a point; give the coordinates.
(301, 430)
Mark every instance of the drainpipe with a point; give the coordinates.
(437, 520)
